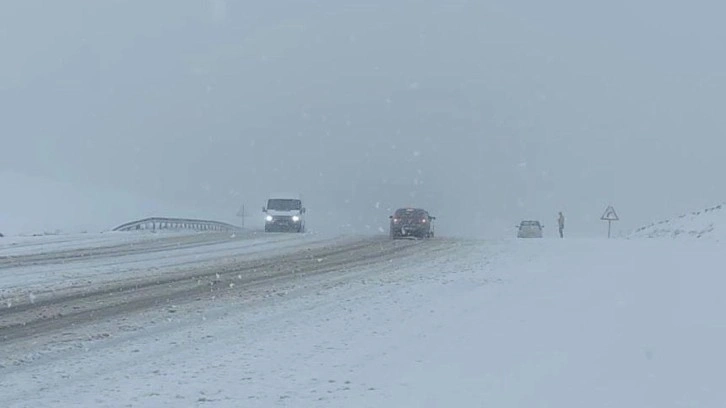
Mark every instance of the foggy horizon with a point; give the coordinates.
(484, 114)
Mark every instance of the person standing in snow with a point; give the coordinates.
(561, 224)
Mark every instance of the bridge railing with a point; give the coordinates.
(160, 223)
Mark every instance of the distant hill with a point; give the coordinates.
(705, 224)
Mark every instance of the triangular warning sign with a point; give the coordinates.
(610, 214)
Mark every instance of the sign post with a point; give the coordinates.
(610, 215)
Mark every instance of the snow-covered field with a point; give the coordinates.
(531, 323)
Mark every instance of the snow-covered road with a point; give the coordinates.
(541, 323)
(178, 275)
(54, 264)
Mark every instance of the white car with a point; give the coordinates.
(529, 229)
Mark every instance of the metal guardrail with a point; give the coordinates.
(158, 223)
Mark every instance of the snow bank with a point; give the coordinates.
(27, 245)
(706, 224)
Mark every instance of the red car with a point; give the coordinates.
(411, 222)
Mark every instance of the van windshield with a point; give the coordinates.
(410, 213)
(282, 204)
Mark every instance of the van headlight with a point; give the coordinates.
(268, 218)
(295, 218)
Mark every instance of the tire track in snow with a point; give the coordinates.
(128, 248)
(43, 317)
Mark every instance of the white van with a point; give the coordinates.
(284, 212)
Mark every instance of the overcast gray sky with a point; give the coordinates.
(485, 112)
